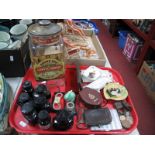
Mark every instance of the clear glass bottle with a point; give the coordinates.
(46, 50)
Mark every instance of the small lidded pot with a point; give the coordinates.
(27, 87)
(23, 98)
(40, 102)
(41, 89)
(44, 120)
(29, 112)
(46, 50)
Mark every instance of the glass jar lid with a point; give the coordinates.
(44, 28)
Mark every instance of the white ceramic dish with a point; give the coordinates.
(25, 21)
(18, 29)
(3, 45)
(4, 37)
(10, 42)
(15, 45)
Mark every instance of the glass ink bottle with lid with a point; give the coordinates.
(29, 112)
(40, 102)
(44, 120)
(23, 98)
(42, 90)
(27, 87)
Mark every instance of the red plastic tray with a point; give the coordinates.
(70, 82)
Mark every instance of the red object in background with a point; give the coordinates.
(17, 120)
(132, 49)
(130, 46)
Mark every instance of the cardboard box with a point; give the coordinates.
(14, 63)
(87, 61)
(147, 77)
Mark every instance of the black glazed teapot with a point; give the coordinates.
(63, 120)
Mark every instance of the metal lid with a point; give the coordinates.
(45, 28)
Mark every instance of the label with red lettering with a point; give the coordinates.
(49, 67)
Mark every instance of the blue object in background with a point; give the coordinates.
(87, 21)
(122, 38)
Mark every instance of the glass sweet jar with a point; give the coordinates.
(46, 50)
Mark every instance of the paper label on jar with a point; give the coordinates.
(48, 66)
(48, 40)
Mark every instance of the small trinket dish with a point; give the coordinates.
(91, 97)
(91, 73)
(115, 91)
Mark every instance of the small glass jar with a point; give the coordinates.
(42, 90)
(23, 98)
(46, 50)
(29, 112)
(44, 120)
(27, 87)
(40, 102)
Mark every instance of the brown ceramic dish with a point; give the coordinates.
(91, 97)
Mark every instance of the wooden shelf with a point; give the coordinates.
(135, 29)
(152, 44)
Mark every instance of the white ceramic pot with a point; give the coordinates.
(18, 31)
(3, 45)
(15, 45)
(4, 37)
(25, 21)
